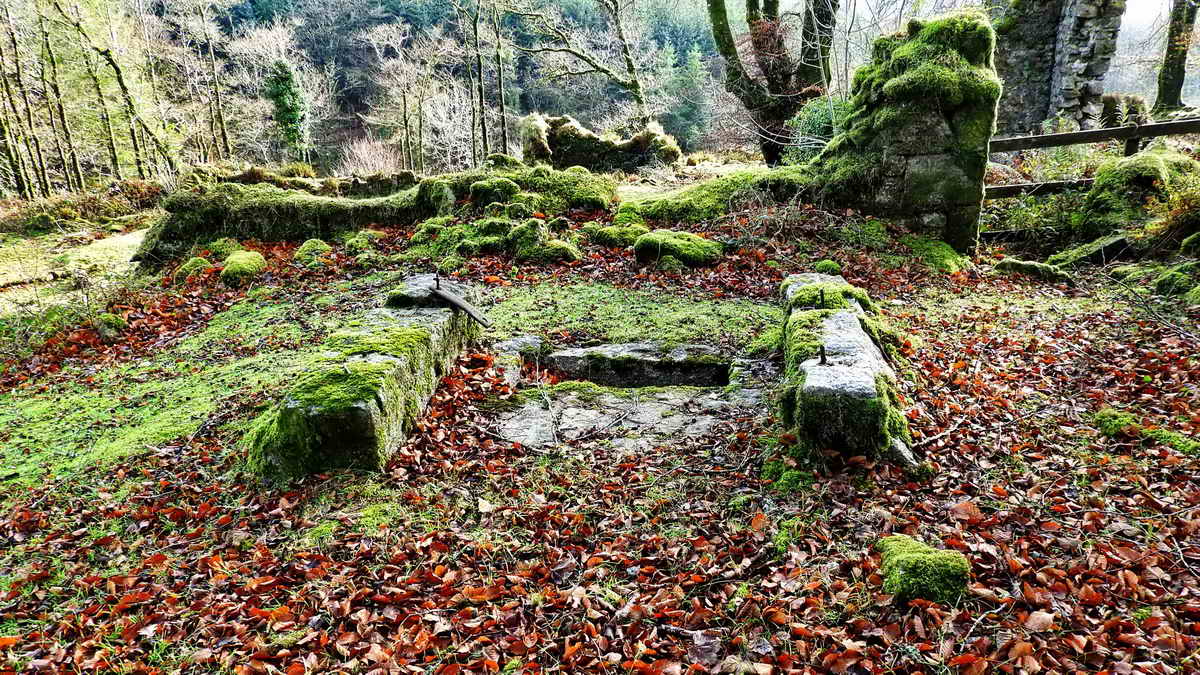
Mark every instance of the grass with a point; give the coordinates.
(85, 420)
(610, 314)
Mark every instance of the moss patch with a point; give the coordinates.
(690, 249)
(610, 314)
(1035, 270)
(912, 569)
(311, 251)
(936, 255)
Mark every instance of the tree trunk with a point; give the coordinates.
(110, 137)
(1173, 71)
(483, 135)
(8, 147)
(216, 87)
(18, 129)
(786, 84)
(500, 83)
(68, 136)
(406, 139)
(634, 83)
(39, 161)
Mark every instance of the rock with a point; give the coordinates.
(642, 364)
(912, 569)
(358, 400)
(839, 390)
(512, 354)
(417, 291)
(633, 419)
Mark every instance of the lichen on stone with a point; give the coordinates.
(912, 569)
(691, 249)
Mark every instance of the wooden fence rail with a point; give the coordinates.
(1132, 135)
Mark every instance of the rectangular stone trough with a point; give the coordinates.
(642, 364)
(839, 391)
(359, 398)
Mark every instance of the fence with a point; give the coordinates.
(1132, 135)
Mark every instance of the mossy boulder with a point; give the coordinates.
(1032, 269)
(496, 189)
(1098, 251)
(223, 247)
(937, 255)
(242, 267)
(1178, 279)
(1118, 197)
(922, 113)
(309, 253)
(1191, 245)
(564, 143)
(911, 569)
(109, 327)
(690, 249)
(617, 236)
(187, 269)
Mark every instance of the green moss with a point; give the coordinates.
(189, 268)
(493, 227)
(827, 295)
(628, 216)
(610, 314)
(221, 248)
(310, 252)
(690, 249)
(669, 263)
(912, 569)
(496, 189)
(1114, 423)
(830, 267)
(936, 255)
(1178, 279)
(1092, 251)
(1191, 245)
(801, 340)
(242, 267)
(706, 201)
(67, 428)
(1032, 269)
(1192, 297)
(617, 236)
(564, 143)
(517, 211)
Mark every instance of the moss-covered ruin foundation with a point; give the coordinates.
(563, 142)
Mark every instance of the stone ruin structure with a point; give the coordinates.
(1053, 57)
(922, 114)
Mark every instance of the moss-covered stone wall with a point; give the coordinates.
(563, 142)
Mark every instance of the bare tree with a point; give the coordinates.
(1174, 65)
(591, 54)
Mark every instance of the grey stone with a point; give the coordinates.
(642, 364)
(417, 291)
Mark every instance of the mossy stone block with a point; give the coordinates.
(241, 267)
(912, 569)
(691, 249)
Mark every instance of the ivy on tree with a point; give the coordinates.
(291, 110)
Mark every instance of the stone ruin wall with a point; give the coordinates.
(1053, 56)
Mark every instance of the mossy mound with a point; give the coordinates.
(690, 249)
(1099, 251)
(187, 269)
(442, 239)
(830, 267)
(1178, 279)
(241, 267)
(1035, 270)
(912, 569)
(309, 253)
(616, 236)
(1117, 198)
(937, 255)
(269, 213)
(495, 189)
(563, 142)
(921, 115)
(714, 198)
(223, 247)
